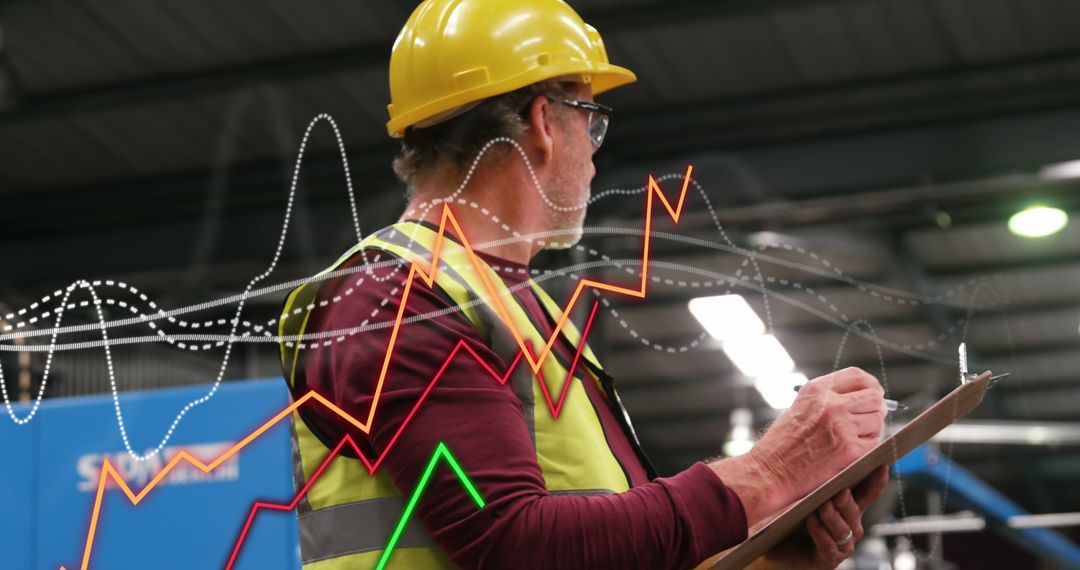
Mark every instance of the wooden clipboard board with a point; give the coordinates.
(959, 403)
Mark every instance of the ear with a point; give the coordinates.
(542, 132)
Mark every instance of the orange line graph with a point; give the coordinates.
(535, 361)
(107, 470)
(373, 466)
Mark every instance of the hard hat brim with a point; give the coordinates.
(602, 76)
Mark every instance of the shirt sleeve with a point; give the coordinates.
(673, 522)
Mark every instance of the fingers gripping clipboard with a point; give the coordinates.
(959, 403)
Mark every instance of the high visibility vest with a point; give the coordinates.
(347, 516)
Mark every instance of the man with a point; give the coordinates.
(494, 104)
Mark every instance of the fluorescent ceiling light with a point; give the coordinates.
(1038, 221)
(760, 355)
(726, 316)
(1061, 170)
(779, 389)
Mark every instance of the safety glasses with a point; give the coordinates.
(599, 117)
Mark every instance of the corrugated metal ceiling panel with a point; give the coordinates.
(876, 35)
(57, 46)
(40, 58)
(1049, 24)
(185, 134)
(819, 43)
(988, 243)
(1036, 286)
(923, 42)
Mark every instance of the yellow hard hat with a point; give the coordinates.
(455, 52)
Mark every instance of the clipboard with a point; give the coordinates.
(959, 403)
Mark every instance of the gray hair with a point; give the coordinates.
(448, 147)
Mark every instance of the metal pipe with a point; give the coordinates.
(1049, 520)
(968, 522)
(1009, 433)
(932, 471)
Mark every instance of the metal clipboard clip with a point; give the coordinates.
(966, 376)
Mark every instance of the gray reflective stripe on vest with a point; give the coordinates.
(365, 526)
(504, 345)
(298, 468)
(352, 528)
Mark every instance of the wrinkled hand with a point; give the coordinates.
(835, 420)
(829, 525)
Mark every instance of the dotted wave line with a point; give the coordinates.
(236, 318)
(235, 322)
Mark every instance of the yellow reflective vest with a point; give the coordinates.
(347, 516)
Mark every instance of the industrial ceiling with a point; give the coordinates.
(864, 154)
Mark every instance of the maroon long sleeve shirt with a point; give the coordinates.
(672, 522)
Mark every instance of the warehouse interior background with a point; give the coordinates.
(863, 158)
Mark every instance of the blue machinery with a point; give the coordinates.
(930, 470)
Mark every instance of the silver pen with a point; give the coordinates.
(891, 405)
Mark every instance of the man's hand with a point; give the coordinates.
(835, 420)
(827, 529)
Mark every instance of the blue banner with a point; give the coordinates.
(190, 519)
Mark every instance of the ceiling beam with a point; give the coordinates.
(946, 93)
(645, 370)
(884, 204)
(252, 186)
(618, 339)
(1030, 261)
(609, 20)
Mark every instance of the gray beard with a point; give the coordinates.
(563, 221)
(573, 230)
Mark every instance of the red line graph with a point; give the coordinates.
(428, 277)
(107, 470)
(373, 466)
(292, 504)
